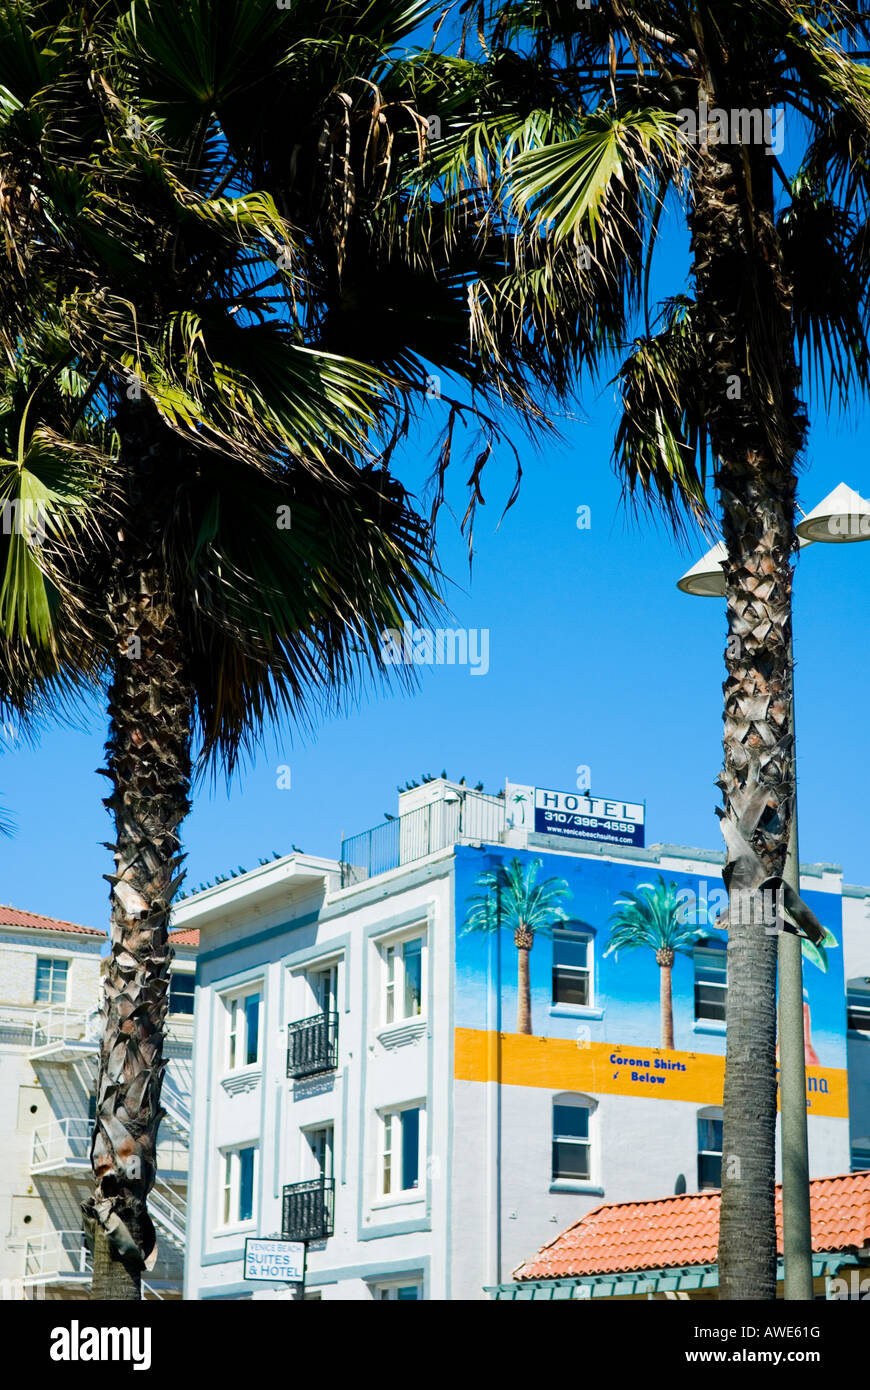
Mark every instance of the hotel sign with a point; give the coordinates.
(275, 1260)
(579, 816)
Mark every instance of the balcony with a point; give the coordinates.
(62, 1146)
(59, 1034)
(473, 816)
(308, 1210)
(61, 1259)
(57, 1258)
(312, 1045)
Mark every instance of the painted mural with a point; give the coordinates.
(609, 976)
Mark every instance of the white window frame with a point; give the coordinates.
(311, 979)
(570, 933)
(309, 1160)
(392, 961)
(229, 1185)
(180, 975)
(51, 961)
(389, 1289)
(702, 959)
(575, 1100)
(389, 1127)
(232, 1001)
(711, 1113)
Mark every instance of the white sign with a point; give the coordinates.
(274, 1259)
(579, 816)
(578, 802)
(574, 815)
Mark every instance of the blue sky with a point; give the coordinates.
(595, 658)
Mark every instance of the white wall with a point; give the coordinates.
(377, 1068)
(20, 1088)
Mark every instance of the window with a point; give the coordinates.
(403, 979)
(572, 974)
(181, 989)
(860, 1155)
(709, 1149)
(238, 1183)
(243, 1030)
(857, 1009)
(51, 976)
(321, 1143)
(572, 1146)
(400, 1292)
(710, 983)
(400, 1150)
(324, 984)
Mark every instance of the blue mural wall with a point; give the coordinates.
(625, 1006)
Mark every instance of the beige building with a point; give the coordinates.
(49, 1023)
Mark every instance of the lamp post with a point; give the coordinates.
(842, 516)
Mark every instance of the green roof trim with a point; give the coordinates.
(680, 1279)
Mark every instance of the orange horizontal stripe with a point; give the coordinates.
(606, 1069)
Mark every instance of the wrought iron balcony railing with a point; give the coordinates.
(312, 1045)
(308, 1210)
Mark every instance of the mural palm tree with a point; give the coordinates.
(510, 897)
(652, 918)
(818, 954)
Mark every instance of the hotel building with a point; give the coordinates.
(428, 1057)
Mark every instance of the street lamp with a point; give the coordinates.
(841, 517)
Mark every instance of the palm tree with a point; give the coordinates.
(246, 546)
(588, 126)
(651, 918)
(266, 626)
(511, 898)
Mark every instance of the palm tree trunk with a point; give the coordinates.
(148, 754)
(758, 427)
(523, 941)
(666, 1005)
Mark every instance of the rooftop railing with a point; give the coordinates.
(470, 816)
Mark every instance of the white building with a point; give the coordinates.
(360, 1081)
(49, 1022)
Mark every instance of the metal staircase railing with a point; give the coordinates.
(177, 1115)
(56, 1256)
(61, 1142)
(168, 1211)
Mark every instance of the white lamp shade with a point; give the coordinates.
(706, 578)
(841, 517)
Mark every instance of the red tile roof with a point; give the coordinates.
(675, 1231)
(16, 917)
(185, 936)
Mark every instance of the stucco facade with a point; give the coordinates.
(478, 1098)
(49, 1000)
